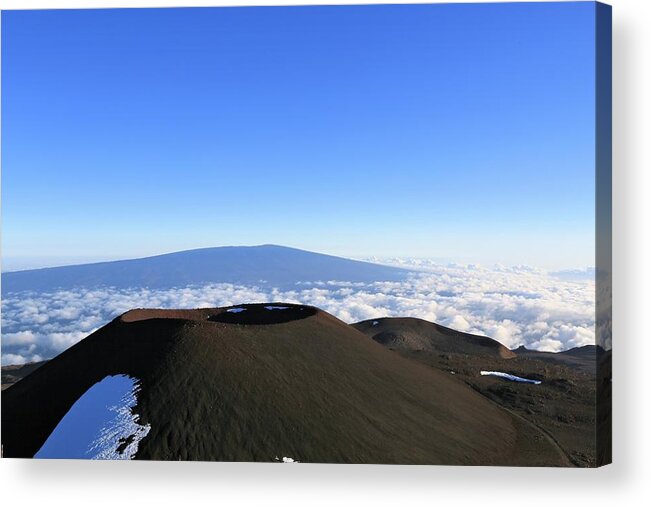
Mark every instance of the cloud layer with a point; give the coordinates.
(515, 305)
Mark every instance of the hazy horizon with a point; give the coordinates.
(516, 305)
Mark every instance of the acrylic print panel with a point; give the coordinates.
(325, 234)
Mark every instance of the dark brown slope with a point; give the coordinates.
(420, 335)
(563, 406)
(313, 389)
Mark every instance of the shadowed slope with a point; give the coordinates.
(313, 389)
(412, 334)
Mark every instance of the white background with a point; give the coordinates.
(627, 482)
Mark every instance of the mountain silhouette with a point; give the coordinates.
(266, 264)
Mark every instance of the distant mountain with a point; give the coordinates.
(275, 265)
(585, 351)
(584, 357)
(411, 334)
(265, 382)
(15, 372)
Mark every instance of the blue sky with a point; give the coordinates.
(452, 131)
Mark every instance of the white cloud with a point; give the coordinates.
(548, 345)
(19, 338)
(13, 359)
(459, 323)
(61, 341)
(517, 306)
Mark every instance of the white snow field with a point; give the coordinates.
(508, 376)
(100, 424)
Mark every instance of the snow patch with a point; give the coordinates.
(276, 307)
(286, 459)
(375, 323)
(100, 424)
(508, 376)
(235, 310)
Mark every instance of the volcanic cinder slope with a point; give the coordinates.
(407, 333)
(563, 406)
(265, 382)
